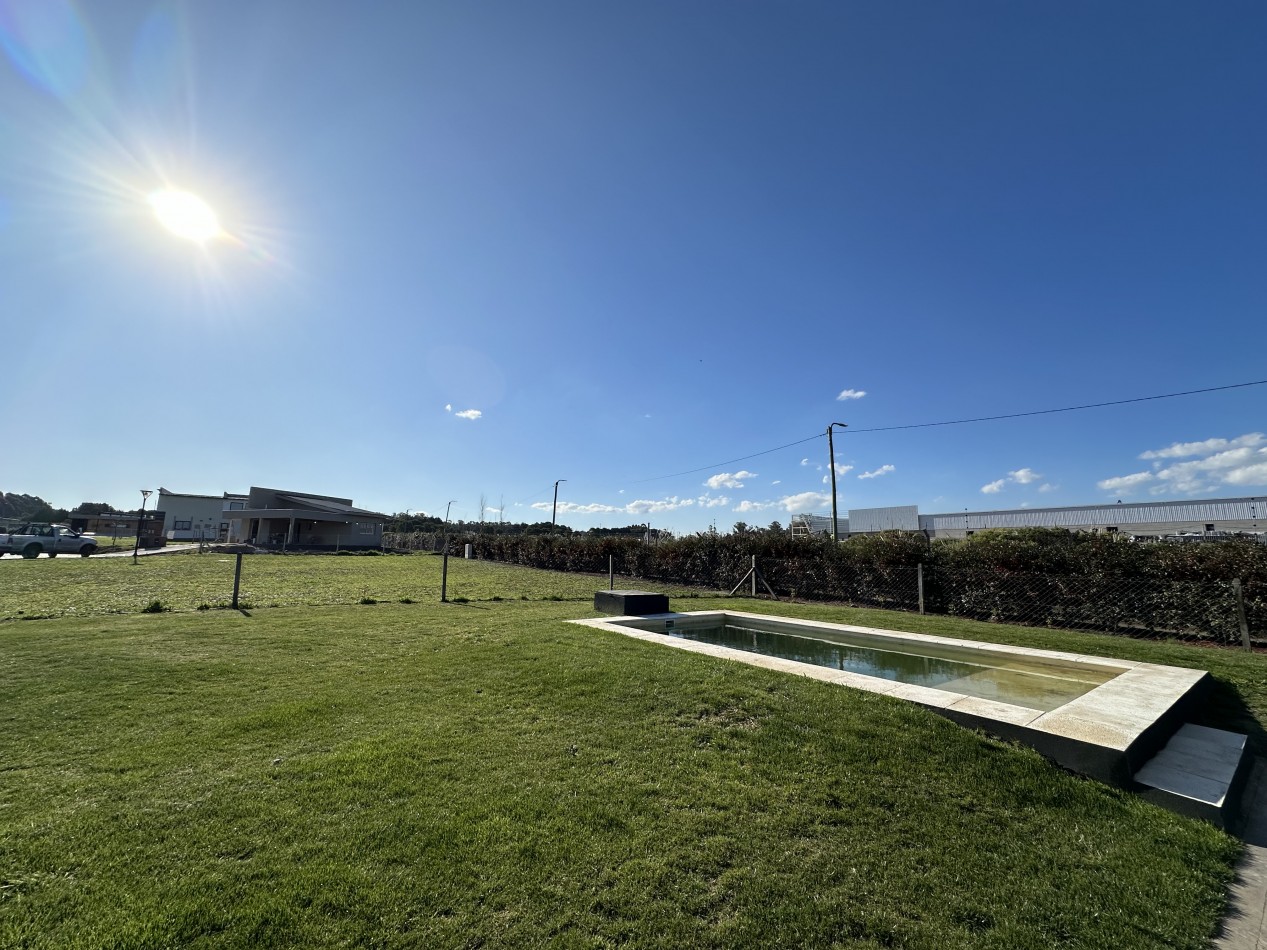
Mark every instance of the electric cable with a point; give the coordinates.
(958, 422)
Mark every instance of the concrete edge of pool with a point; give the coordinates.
(1109, 733)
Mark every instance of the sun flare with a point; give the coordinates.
(185, 215)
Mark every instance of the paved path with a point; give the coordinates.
(144, 552)
(1246, 919)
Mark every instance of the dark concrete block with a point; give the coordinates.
(630, 603)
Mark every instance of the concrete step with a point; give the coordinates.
(1199, 772)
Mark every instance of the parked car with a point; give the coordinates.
(32, 540)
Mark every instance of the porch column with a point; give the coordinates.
(290, 532)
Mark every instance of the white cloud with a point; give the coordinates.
(641, 507)
(448, 407)
(469, 414)
(712, 501)
(648, 507)
(1255, 474)
(882, 470)
(792, 504)
(805, 501)
(777, 481)
(1124, 484)
(571, 507)
(1022, 476)
(804, 461)
(844, 470)
(727, 480)
(851, 394)
(1238, 466)
(1046, 487)
(1186, 449)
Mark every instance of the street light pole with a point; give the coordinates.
(555, 514)
(145, 496)
(831, 452)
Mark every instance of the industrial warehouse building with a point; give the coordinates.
(1205, 517)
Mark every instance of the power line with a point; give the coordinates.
(1046, 412)
(730, 461)
(959, 422)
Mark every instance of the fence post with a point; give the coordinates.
(611, 572)
(754, 575)
(1239, 593)
(919, 583)
(237, 579)
(444, 575)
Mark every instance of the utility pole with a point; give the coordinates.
(145, 496)
(831, 452)
(555, 514)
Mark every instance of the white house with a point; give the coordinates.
(196, 517)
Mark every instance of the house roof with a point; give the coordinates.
(317, 503)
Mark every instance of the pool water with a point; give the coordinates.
(1006, 678)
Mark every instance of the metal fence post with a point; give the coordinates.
(237, 579)
(919, 583)
(754, 575)
(611, 572)
(444, 576)
(1239, 594)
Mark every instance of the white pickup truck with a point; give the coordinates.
(32, 540)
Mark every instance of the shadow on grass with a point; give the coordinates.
(1226, 708)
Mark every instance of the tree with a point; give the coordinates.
(91, 509)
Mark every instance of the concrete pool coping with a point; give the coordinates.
(1107, 733)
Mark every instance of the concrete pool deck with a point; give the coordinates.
(1108, 733)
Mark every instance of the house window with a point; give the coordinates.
(224, 526)
(365, 528)
(1209, 527)
(182, 525)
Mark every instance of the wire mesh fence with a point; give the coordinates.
(1216, 611)
(1211, 612)
(1225, 612)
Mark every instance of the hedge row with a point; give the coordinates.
(1035, 576)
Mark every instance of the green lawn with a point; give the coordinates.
(186, 581)
(485, 774)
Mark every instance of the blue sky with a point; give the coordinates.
(471, 248)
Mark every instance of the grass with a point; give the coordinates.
(484, 774)
(79, 587)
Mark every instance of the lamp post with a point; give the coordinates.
(555, 513)
(831, 452)
(145, 496)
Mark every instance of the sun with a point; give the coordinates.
(185, 215)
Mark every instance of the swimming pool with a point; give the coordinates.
(1100, 716)
(1042, 684)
